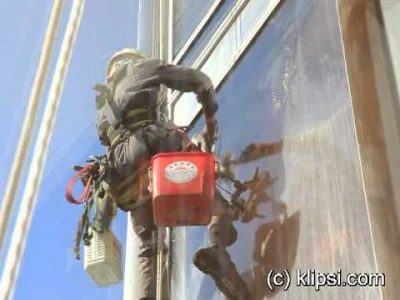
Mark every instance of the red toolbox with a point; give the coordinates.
(183, 188)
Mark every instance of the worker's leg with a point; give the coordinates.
(144, 227)
(221, 229)
(147, 142)
(161, 140)
(215, 260)
(143, 144)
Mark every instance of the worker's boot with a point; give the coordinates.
(216, 262)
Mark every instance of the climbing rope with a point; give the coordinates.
(27, 208)
(32, 110)
(84, 173)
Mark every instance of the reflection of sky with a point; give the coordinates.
(207, 33)
(241, 119)
(187, 16)
(49, 270)
(292, 84)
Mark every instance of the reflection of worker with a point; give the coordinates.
(256, 151)
(133, 130)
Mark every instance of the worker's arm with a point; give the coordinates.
(182, 79)
(178, 78)
(192, 80)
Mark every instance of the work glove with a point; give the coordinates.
(210, 133)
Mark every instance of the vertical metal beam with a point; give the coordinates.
(145, 35)
(164, 29)
(162, 38)
(145, 44)
(361, 29)
(21, 152)
(177, 236)
(388, 89)
(35, 176)
(170, 31)
(170, 48)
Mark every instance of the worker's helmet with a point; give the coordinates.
(121, 58)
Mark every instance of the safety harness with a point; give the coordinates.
(120, 124)
(135, 118)
(122, 121)
(85, 175)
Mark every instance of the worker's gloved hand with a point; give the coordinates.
(210, 132)
(208, 100)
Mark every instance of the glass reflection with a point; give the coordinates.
(193, 52)
(291, 87)
(187, 16)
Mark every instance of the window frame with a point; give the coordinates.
(176, 59)
(229, 21)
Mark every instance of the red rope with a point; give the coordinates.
(84, 196)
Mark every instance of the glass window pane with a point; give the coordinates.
(187, 16)
(251, 15)
(217, 63)
(279, 90)
(184, 108)
(222, 57)
(193, 52)
(187, 105)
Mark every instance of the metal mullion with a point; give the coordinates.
(196, 33)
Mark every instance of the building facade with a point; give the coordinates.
(321, 77)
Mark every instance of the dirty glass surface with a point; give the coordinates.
(291, 86)
(49, 269)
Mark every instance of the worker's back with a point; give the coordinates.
(133, 86)
(134, 96)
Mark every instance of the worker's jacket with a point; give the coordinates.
(130, 100)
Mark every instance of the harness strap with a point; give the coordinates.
(134, 119)
(112, 113)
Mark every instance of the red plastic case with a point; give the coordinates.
(183, 188)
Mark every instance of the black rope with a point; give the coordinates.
(225, 190)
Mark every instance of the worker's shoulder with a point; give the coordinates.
(146, 65)
(148, 62)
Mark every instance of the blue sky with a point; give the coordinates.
(49, 270)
